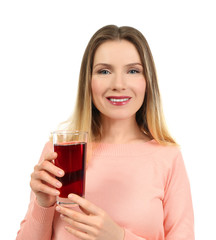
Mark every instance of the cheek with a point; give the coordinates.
(98, 89)
(95, 88)
(140, 89)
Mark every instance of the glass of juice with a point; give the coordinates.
(71, 147)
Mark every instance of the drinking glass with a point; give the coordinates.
(71, 147)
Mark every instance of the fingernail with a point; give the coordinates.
(70, 196)
(58, 209)
(57, 193)
(58, 184)
(60, 172)
(67, 228)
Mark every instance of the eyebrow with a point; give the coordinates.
(133, 64)
(103, 64)
(110, 66)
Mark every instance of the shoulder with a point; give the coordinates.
(162, 150)
(166, 150)
(165, 154)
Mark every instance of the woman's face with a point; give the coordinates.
(118, 84)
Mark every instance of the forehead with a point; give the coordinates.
(117, 51)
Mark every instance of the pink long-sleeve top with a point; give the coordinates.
(143, 186)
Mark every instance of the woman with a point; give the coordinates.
(136, 182)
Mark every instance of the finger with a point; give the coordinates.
(78, 234)
(38, 186)
(47, 178)
(83, 210)
(75, 216)
(79, 226)
(51, 168)
(50, 156)
(85, 205)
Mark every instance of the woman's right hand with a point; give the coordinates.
(43, 180)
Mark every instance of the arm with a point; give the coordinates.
(37, 224)
(177, 204)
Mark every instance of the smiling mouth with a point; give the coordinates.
(118, 100)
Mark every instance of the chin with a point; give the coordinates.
(120, 117)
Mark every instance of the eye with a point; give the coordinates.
(104, 72)
(134, 71)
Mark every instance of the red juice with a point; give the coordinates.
(71, 159)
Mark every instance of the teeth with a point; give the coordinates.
(118, 100)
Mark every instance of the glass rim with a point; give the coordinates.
(77, 132)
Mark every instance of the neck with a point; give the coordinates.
(121, 131)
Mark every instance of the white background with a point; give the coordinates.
(41, 46)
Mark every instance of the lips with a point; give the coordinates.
(118, 100)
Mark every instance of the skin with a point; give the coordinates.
(117, 71)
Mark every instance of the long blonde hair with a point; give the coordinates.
(149, 117)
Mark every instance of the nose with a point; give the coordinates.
(118, 82)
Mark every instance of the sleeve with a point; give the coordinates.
(177, 203)
(37, 224)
